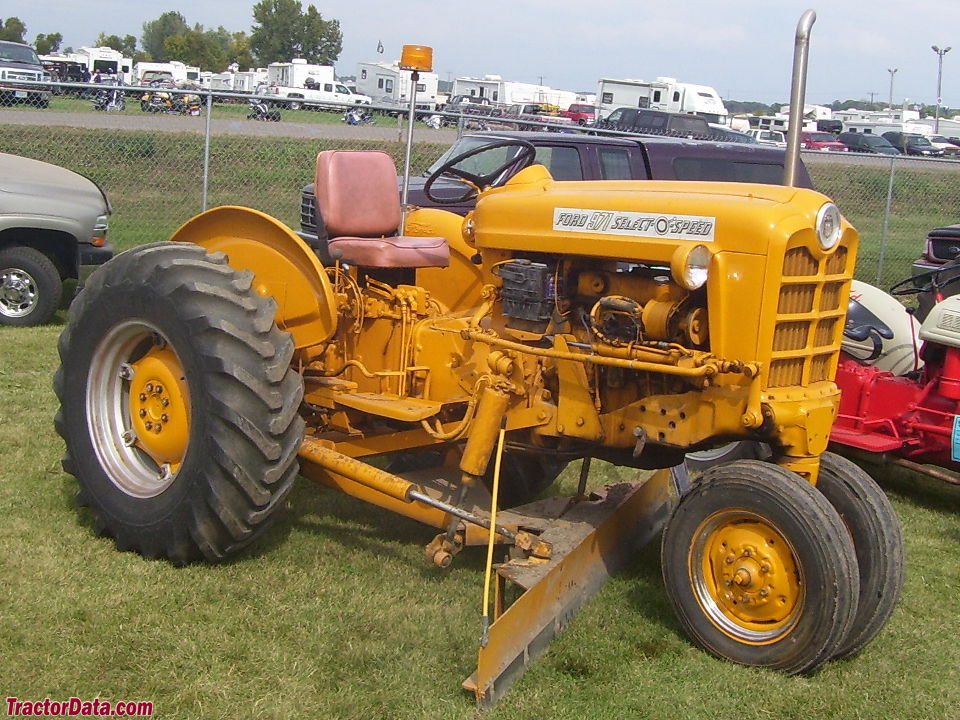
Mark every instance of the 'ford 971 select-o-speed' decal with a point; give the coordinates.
(616, 222)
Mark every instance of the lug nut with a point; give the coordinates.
(143, 413)
(143, 397)
(149, 387)
(158, 389)
(164, 418)
(165, 401)
(764, 592)
(148, 425)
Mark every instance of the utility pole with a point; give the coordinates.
(892, 71)
(940, 53)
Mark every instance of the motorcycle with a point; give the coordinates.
(260, 110)
(356, 116)
(109, 99)
(162, 100)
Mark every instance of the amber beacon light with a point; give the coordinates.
(418, 58)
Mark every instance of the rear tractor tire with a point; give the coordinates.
(177, 404)
(760, 568)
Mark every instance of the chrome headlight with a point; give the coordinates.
(828, 226)
(689, 266)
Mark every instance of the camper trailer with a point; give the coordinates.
(106, 61)
(178, 72)
(387, 84)
(664, 93)
(298, 73)
(506, 92)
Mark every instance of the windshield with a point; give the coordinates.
(918, 140)
(479, 164)
(875, 141)
(822, 137)
(18, 53)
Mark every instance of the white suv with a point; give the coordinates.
(19, 62)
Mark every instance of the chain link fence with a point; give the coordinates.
(160, 164)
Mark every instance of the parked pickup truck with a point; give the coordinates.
(580, 114)
(588, 157)
(53, 228)
(319, 96)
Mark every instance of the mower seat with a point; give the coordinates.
(357, 197)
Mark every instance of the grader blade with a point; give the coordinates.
(591, 540)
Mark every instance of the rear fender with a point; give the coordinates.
(284, 267)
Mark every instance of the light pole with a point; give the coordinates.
(892, 71)
(940, 53)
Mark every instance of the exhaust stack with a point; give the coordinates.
(798, 91)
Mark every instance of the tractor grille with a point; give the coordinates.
(809, 324)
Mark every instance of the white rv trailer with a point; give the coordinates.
(298, 73)
(106, 61)
(178, 71)
(387, 84)
(664, 93)
(234, 80)
(495, 89)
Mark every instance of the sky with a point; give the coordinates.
(744, 50)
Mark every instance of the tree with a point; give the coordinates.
(239, 50)
(13, 29)
(156, 32)
(208, 49)
(126, 45)
(283, 31)
(46, 44)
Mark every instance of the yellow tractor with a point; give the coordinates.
(448, 373)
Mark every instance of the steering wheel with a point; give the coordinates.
(910, 287)
(475, 183)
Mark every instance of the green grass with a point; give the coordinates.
(336, 614)
(221, 110)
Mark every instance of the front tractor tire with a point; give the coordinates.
(177, 404)
(760, 568)
(877, 536)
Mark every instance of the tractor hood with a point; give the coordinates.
(642, 220)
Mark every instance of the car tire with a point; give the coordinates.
(30, 287)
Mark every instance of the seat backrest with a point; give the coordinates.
(356, 193)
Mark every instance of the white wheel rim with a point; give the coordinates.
(129, 468)
(19, 293)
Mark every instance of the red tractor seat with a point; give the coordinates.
(357, 198)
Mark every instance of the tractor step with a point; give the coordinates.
(864, 440)
(591, 539)
(390, 406)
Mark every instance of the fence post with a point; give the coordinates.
(206, 151)
(886, 220)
